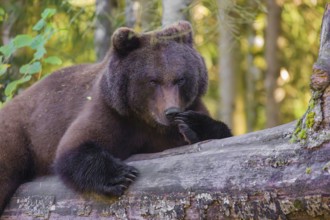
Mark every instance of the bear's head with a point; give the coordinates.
(155, 74)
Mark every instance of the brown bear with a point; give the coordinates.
(82, 121)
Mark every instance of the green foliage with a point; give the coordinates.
(53, 60)
(45, 31)
(2, 14)
(34, 40)
(23, 40)
(8, 50)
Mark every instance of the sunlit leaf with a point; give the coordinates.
(39, 25)
(22, 40)
(48, 12)
(48, 33)
(41, 51)
(31, 68)
(37, 42)
(8, 49)
(11, 87)
(3, 68)
(53, 60)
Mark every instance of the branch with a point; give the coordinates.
(258, 175)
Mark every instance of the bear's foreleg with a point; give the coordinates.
(196, 127)
(91, 168)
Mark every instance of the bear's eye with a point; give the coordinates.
(153, 82)
(180, 81)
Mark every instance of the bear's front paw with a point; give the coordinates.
(188, 135)
(187, 123)
(91, 168)
(117, 184)
(203, 126)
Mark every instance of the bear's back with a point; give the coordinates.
(45, 110)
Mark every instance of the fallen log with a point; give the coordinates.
(259, 175)
(278, 173)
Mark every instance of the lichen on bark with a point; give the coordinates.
(313, 129)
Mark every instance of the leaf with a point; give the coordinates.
(39, 25)
(3, 68)
(53, 60)
(31, 68)
(48, 12)
(11, 87)
(22, 40)
(8, 49)
(37, 42)
(41, 51)
(48, 33)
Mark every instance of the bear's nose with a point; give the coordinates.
(171, 112)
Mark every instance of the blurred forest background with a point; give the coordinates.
(259, 53)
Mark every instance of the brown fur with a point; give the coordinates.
(108, 103)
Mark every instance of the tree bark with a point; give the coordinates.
(250, 77)
(130, 13)
(261, 175)
(313, 129)
(273, 63)
(174, 11)
(227, 69)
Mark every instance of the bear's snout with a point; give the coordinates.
(171, 112)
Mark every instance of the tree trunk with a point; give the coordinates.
(250, 85)
(261, 175)
(313, 129)
(250, 77)
(174, 11)
(130, 13)
(103, 26)
(273, 63)
(227, 69)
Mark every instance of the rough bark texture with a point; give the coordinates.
(313, 129)
(251, 76)
(272, 60)
(174, 11)
(259, 175)
(262, 175)
(227, 61)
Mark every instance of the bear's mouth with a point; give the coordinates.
(165, 116)
(162, 120)
(165, 119)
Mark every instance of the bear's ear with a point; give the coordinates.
(181, 32)
(125, 40)
(185, 29)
